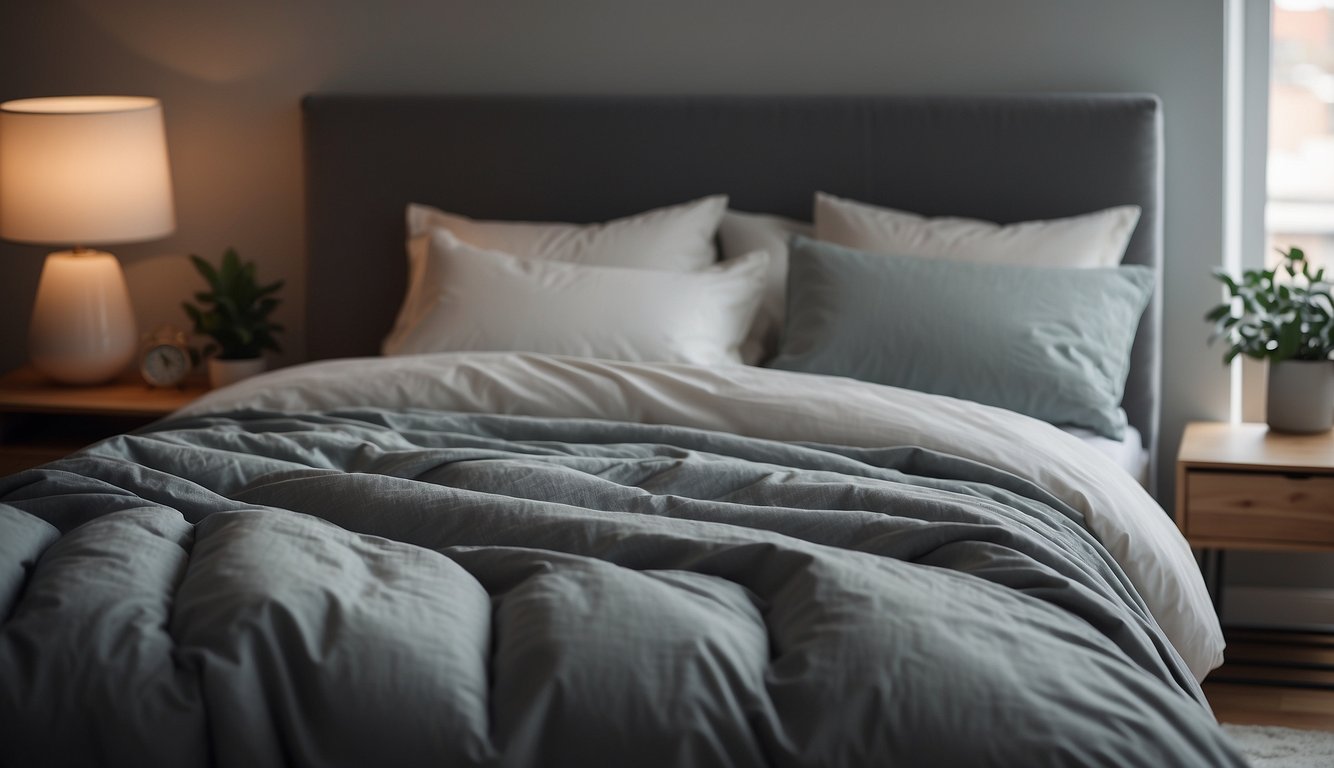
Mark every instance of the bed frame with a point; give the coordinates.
(581, 159)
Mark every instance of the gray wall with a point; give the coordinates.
(230, 74)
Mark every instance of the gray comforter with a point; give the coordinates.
(411, 588)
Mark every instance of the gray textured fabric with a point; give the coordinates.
(583, 159)
(1053, 344)
(376, 588)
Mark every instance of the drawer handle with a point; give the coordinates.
(1298, 475)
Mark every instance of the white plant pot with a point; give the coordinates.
(224, 372)
(1301, 396)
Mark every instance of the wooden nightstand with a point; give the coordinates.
(1240, 486)
(41, 421)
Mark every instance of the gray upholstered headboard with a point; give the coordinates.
(580, 159)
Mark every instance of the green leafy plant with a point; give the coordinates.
(235, 309)
(1268, 317)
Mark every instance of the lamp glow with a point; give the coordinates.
(75, 171)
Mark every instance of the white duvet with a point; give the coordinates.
(780, 405)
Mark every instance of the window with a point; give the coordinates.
(1300, 209)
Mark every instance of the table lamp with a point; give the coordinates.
(78, 171)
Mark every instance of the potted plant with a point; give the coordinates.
(1288, 321)
(234, 313)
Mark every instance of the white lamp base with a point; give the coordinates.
(82, 329)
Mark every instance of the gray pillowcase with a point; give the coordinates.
(1050, 343)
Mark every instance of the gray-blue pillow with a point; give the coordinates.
(1050, 343)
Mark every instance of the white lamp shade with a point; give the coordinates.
(84, 170)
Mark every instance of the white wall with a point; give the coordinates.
(230, 74)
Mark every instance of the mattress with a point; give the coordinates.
(1128, 453)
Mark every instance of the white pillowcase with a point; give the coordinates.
(677, 238)
(471, 299)
(742, 233)
(1088, 241)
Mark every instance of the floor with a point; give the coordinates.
(1276, 658)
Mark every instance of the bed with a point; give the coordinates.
(495, 557)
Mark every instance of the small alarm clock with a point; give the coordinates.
(165, 360)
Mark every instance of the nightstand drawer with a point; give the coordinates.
(1259, 507)
(41, 421)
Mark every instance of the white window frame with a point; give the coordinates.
(1248, 46)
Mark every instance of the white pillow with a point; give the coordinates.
(473, 300)
(677, 238)
(1088, 241)
(741, 233)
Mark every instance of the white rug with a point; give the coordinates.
(1271, 747)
